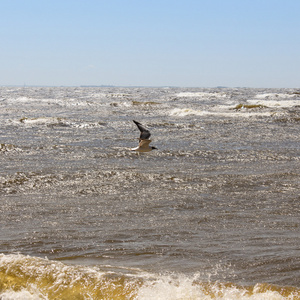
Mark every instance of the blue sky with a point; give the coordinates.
(203, 43)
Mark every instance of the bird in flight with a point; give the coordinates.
(144, 139)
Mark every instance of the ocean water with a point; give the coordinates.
(212, 214)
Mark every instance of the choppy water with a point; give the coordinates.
(213, 214)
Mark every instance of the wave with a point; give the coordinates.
(86, 182)
(182, 112)
(231, 112)
(4, 148)
(272, 96)
(25, 277)
(57, 122)
(273, 103)
(47, 121)
(205, 95)
(58, 100)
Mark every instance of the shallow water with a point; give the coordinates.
(212, 214)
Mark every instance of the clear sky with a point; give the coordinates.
(199, 43)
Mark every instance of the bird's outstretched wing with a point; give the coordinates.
(144, 143)
(145, 134)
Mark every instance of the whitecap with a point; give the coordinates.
(184, 287)
(182, 112)
(44, 121)
(273, 96)
(202, 94)
(23, 294)
(275, 103)
(223, 112)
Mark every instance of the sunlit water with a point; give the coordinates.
(212, 214)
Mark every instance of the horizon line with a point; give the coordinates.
(145, 86)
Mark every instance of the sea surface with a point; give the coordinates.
(214, 213)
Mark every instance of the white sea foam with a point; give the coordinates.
(275, 96)
(53, 121)
(275, 103)
(182, 112)
(225, 112)
(23, 294)
(29, 100)
(42, 121)
(202, 95)
(64, 102)
(169, 288)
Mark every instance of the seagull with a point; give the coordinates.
(144, 139)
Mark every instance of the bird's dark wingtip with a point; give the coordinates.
(145, 133)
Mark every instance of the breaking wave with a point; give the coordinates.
(27, 278)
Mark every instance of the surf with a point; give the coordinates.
(26, 277)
